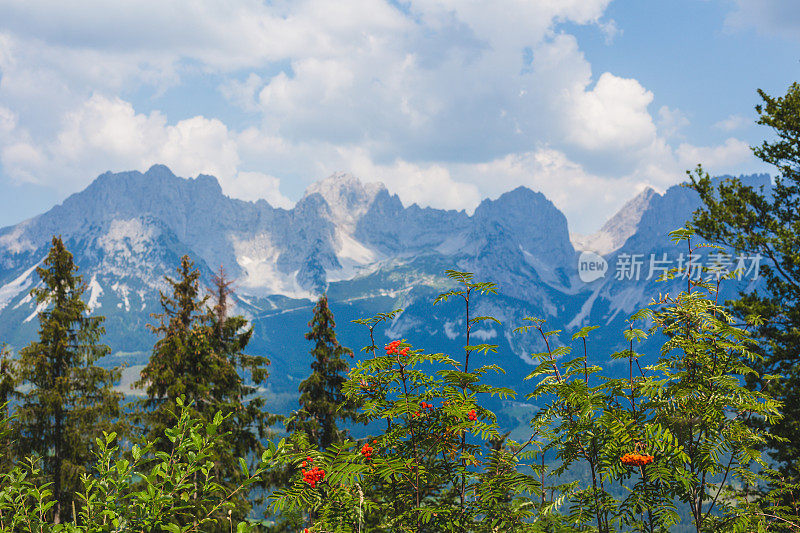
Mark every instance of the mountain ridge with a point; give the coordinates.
(357, 242)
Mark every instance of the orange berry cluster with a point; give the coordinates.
(391, 349)
(473, 415)
(636, 459)
(367, 450)
(313, 476)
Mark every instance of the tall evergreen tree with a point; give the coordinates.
(199, 356)
(69, 400)
(322, 403)
(249, 422)
(6, 392)
(752, 221)
(179, 364)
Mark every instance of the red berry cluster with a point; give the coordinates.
(636, 459)
(313, 476)
(391, 349)
(367, 450)
(423, 406)
(473, 415)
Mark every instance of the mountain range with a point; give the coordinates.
(358, 243)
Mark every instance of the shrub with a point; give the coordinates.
(180, 491)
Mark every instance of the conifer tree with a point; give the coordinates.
(249, 422)
(322, 403)
(756, 222)
(177, 365)
(6, 392)
(69, 400)
(199, 356)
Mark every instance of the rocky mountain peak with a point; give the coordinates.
(158, 170)
(624, 222)
(347, 196)
(619, 227)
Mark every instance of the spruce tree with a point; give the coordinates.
(249, 422)
(178, 365)
(322, 402)
(6, 392)
(199, 356)
(322, 406)
(69, 400)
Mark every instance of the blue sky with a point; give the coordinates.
(445, 101)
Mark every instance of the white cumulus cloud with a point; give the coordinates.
(446, 101)
(613, 114)
(717, 159)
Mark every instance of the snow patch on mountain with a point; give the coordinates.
(258, 258)
(39, 308)
(123, 291)
(95, 292)
(628, 300)
(348, 248)
(11, 290)
(585, 311)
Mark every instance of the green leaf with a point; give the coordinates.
(583, 332)
(679, 235)
(480, 318)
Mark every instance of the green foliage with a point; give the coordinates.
(428, 471)
(178, 491)
(6, 391)
(323, 405)
(68, 396)
(689, 411)
(751, 221)
(671, 437)
(199, 356)
(442, 465)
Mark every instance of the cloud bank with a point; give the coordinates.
(445, 101)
